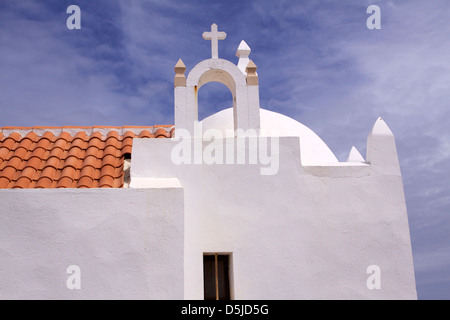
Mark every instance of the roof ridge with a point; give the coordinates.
(73, 130)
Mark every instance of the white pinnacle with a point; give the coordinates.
(242, 52)
(214, 36)
(355, 156)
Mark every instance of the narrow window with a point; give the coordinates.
(216, 276)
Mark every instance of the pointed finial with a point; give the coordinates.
(242, 52)
(180, 78)
(381, 128)
(381, 150)
(252, 77)
(355, 156)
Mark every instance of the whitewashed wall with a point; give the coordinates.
(128, 243)
(305, 233)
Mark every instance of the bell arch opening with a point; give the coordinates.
(244, 97)
(213, 97)
(216, 79)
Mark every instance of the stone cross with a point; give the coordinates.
(214, 36)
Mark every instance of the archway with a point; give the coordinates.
(245, 97)
(213, 97)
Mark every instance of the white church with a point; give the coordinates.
(245, 204)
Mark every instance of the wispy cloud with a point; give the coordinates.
(317, 62)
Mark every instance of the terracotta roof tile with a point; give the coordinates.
(92, 151)
(91, 160)
(161, 133)
(69, 172)
(87, 171)
(76, 152)
(44, 182)
(56, 152)
(39, 152)
(9, 173)
(26, 143)
(22, 183)
(28, 172)
(65, 135)
(48, 135)
(60, 143)
(85, 182)
(145, 134)
(106, 182)
(34, 162)
(79, 142)
(110, 150)
(128, 134)
(52, 162)
(126, 149)
(112, 133)
(32, 136)
(9, 143)
(15, 136)
(108, 170)
(21, 152)
(4, 182)
(73, 161)
(15, 163)
(96, 142)
(65, 182)
(68, 157)
(4, 153)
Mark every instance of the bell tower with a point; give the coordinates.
(243, 85)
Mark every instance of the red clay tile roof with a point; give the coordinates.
(68, 157)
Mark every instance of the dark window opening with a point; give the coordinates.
(127, 156)
(216, 278)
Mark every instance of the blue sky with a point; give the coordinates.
(317, 63)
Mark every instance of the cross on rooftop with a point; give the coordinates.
(214, 36)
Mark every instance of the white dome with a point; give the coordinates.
(312, 149)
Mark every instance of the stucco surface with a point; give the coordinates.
(128, 243)
(308, 232)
